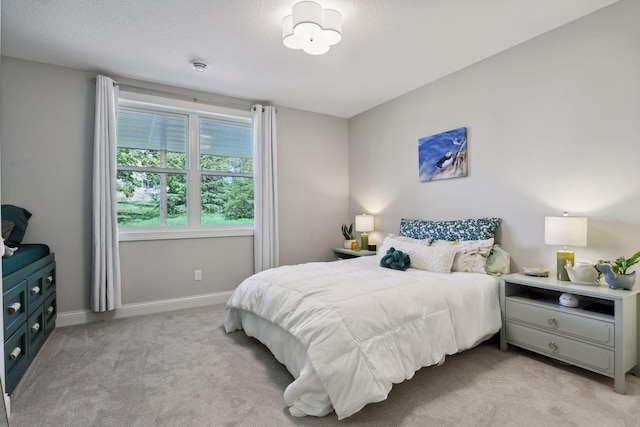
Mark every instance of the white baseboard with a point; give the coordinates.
(79, 317)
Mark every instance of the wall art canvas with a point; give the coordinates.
(443, 155)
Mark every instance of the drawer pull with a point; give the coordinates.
(50, 309)
(15, 353)
(14, 307)
(553, 322)
(553, 347)
(35, 328)
(49, 280)
(35, 290)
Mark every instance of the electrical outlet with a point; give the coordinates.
(198, 275)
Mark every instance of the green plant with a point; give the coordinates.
(620, 265)
(347, 232)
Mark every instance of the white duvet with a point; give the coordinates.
(348, 330)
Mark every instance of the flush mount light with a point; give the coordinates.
(312, 28)
(199, 65)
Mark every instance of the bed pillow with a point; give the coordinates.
(463, 229)
(423, 256)
(471, 255)
(499, 262)
(20, 218)
(400, 243)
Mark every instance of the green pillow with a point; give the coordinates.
(498, 262)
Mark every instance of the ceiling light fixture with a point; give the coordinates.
(312, 28)
(199, 65)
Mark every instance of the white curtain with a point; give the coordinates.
(265, 238)
(105, 274)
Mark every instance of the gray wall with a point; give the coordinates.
(552, 126)
(47, 135)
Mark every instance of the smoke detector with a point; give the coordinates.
(199, 65)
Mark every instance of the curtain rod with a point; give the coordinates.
(173, 95)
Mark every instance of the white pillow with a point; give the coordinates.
(398, 242)
(471, 255)
(422, 255)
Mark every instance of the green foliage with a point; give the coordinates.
(621, 264)
(347, 232)
(230, 197)
(239, 203)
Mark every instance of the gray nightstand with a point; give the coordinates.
(600, 334)
(348, 253)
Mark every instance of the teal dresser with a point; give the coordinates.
(30, 311)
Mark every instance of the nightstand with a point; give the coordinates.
(349, 253)
(600, 334)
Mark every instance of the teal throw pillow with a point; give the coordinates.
(396, 260)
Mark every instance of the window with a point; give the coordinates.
(182, 167)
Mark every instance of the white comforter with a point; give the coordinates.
(365, 327)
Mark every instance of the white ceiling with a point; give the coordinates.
(389, 47)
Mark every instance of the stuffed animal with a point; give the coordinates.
(6, 251)
(396, 260)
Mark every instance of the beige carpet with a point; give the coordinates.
(182, 369)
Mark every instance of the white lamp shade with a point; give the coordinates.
(364, 223)
(565, 231)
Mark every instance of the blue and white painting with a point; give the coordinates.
(443, 155)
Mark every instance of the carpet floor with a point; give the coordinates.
(181, 369)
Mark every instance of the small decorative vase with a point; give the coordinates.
(347, 244)
(617, 281)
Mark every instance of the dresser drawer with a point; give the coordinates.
(574, 324)
(49, 279)
(35, 331)
(50, 313)
(575, 352)
(16, 359)
(14, 303)
(35, 291)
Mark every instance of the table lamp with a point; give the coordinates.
(364, 224)
(565, 231)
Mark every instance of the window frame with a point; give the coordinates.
(195, 111)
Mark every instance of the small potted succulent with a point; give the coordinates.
(347, 233)
(615, 272)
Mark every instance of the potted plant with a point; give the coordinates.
(615, 272)
(347, 233)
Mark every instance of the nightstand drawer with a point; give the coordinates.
(575, 352)
(574, 324)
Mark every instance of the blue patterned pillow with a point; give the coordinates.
(462, 229)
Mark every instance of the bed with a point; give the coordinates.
(348, 330)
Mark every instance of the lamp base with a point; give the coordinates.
(562, 257)
(364, 241)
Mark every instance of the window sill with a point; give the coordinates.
(139, 235)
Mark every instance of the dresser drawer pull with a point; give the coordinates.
(14, 307)
(49, 280)
(50, 309)
(35, 328)
(553, 322)
(35, 290)
(553, 347)
(15, 353)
